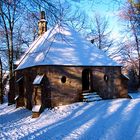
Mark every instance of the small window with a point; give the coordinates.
(106, 78)
(63, 79)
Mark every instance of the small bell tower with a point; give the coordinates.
(42, 24)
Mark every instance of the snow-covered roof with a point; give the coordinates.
(38, 79)
(36, 108)
(62, 45)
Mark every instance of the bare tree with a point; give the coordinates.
(100, 34)
(131, 17)
(9, 14)
(1, 83)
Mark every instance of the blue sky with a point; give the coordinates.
(107, 8)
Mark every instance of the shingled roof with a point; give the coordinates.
(62, 45)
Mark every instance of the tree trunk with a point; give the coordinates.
(1, 84)
(11, 55)
(139, 73)
(11, 94)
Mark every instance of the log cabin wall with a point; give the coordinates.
(65, 83)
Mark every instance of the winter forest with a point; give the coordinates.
(113, 26)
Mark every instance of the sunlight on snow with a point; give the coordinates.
(39, 57)
(116, 119)
(114, 106)
(127, 110)
(80, 112)
(75, 134)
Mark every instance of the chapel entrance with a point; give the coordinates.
(86, 80)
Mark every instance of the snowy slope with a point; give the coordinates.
(103, 120)
(62, 45)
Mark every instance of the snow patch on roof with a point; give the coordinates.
(38, 79)
(36, 108)
(62, 45)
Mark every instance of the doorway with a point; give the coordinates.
(86, 80)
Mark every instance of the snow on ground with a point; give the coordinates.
(117, 119)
